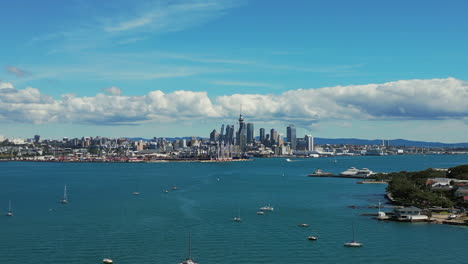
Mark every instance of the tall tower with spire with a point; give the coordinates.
(242, 132)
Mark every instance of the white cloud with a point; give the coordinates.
(17, 71)
(6, 85)
(175, 16)
(113, 90)
(408, 100)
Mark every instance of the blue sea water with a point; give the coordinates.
(103, 218)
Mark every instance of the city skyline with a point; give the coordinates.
(181, 68)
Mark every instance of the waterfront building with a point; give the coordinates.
(291, 134)
(250, 133)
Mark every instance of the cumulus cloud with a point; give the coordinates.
(113, 90)
(407, 99)
(6, 85)
(17, 71)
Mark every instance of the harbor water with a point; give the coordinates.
(104, 219)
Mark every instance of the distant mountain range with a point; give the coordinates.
(392, 142)
(356, 141)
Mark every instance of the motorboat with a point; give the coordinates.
(260, 213)
(266, 208)
(136, 193)
(107, 261)
(312, 238)
(175, 188)
(166, 191)
(353, 244)
(303, 225)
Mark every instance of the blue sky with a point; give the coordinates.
(367, 69)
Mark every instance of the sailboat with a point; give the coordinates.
(238, 218)
(9, 213)
(353, 243)
(189, 259)
(65, 198)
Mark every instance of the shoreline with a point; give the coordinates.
(129, 161)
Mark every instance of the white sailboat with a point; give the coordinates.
(189, 259)
(65, 197)
(353, 243)
(9, 213)
(238, 218)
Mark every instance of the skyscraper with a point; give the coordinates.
(250, 133)
(229, 135)
(262, 135)
(291, 134)
(242, 133)
(273, 136)
(214, 136)
(309, 139)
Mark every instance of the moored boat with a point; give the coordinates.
(319, 173)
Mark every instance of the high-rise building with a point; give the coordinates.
(37, 138)
(214, 135)
(229, 138)
(250, 133)
(291, 134)
(273, 136)
(242, 133)
(309, 139)
(262, 135)
(280, 139)
(221, 134)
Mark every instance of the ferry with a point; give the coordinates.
(357, 173)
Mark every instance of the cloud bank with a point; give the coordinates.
(431, 99)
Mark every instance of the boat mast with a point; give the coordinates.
(190, 245)
(9, 206)
(65, 193)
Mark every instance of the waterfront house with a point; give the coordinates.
(439, 183)
(410, 214)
